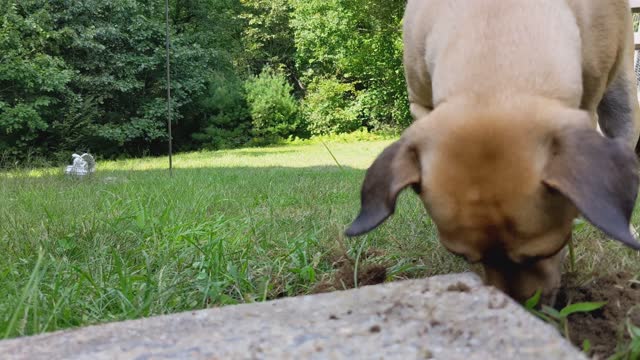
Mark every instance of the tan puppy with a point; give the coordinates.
(504, 151)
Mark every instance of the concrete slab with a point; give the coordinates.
(445, 317)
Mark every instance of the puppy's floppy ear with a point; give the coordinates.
(395, 169)
(599, 175)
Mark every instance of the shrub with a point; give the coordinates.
(362, 134)
(272, 107)
(385, 109)
(331, 107)
(226, 113)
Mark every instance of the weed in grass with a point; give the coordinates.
(25, 303)
(578, 224)
(560, 319)
(629, 350)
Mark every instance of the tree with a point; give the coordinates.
(355, 42)
(32, 82)
(116, 48)
(80, 75)
(271, 104)
(267, 36)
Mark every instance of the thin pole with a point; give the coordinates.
(166, 15)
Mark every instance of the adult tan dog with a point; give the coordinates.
(504, 151)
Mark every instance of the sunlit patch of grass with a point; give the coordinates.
(229, 227)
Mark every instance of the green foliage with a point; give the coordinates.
(227, 116)
(360, 135)
(267, 35)
(322, 35)
(31, 80)
(355, 42)
(629, 350)
(118, 51)
(331, 107)
(90, 75)
(273, 109)
(533, 301)
(560, 319)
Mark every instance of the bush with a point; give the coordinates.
(331, 107)
(272, 107)
(385, 109)
(227, 116)
(362, 134)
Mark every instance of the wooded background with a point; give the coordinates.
(89, 75)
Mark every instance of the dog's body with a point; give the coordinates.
(577, 52)
(507, 96)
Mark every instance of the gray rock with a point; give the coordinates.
(443, 317)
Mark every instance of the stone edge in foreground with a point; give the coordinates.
(443, 317)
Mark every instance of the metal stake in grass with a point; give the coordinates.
(331, 153)
(166, 13)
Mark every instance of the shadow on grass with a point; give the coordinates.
(258, 152)
(246, 172)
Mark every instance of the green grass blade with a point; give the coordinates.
(533, 301)
(581, 307)
(551, 312)
(27, 293)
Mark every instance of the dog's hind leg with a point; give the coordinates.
(618, 111)
(420, 95)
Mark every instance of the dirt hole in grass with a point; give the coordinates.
(604, 328)
(343, 278)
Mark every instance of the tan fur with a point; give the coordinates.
(481, 182)
(503, 76)
(575, 48)
(505, 94)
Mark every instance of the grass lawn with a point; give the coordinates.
(229, 227)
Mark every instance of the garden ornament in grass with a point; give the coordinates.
(82, 165)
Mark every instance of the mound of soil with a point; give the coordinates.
(366, 274)
(604, 328)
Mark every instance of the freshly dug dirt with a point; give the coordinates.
(604, 328)
(367, 274)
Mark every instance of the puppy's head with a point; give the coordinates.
(503, 186)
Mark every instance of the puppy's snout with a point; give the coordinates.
(523, 284)
(549, 298)
(522, 281)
